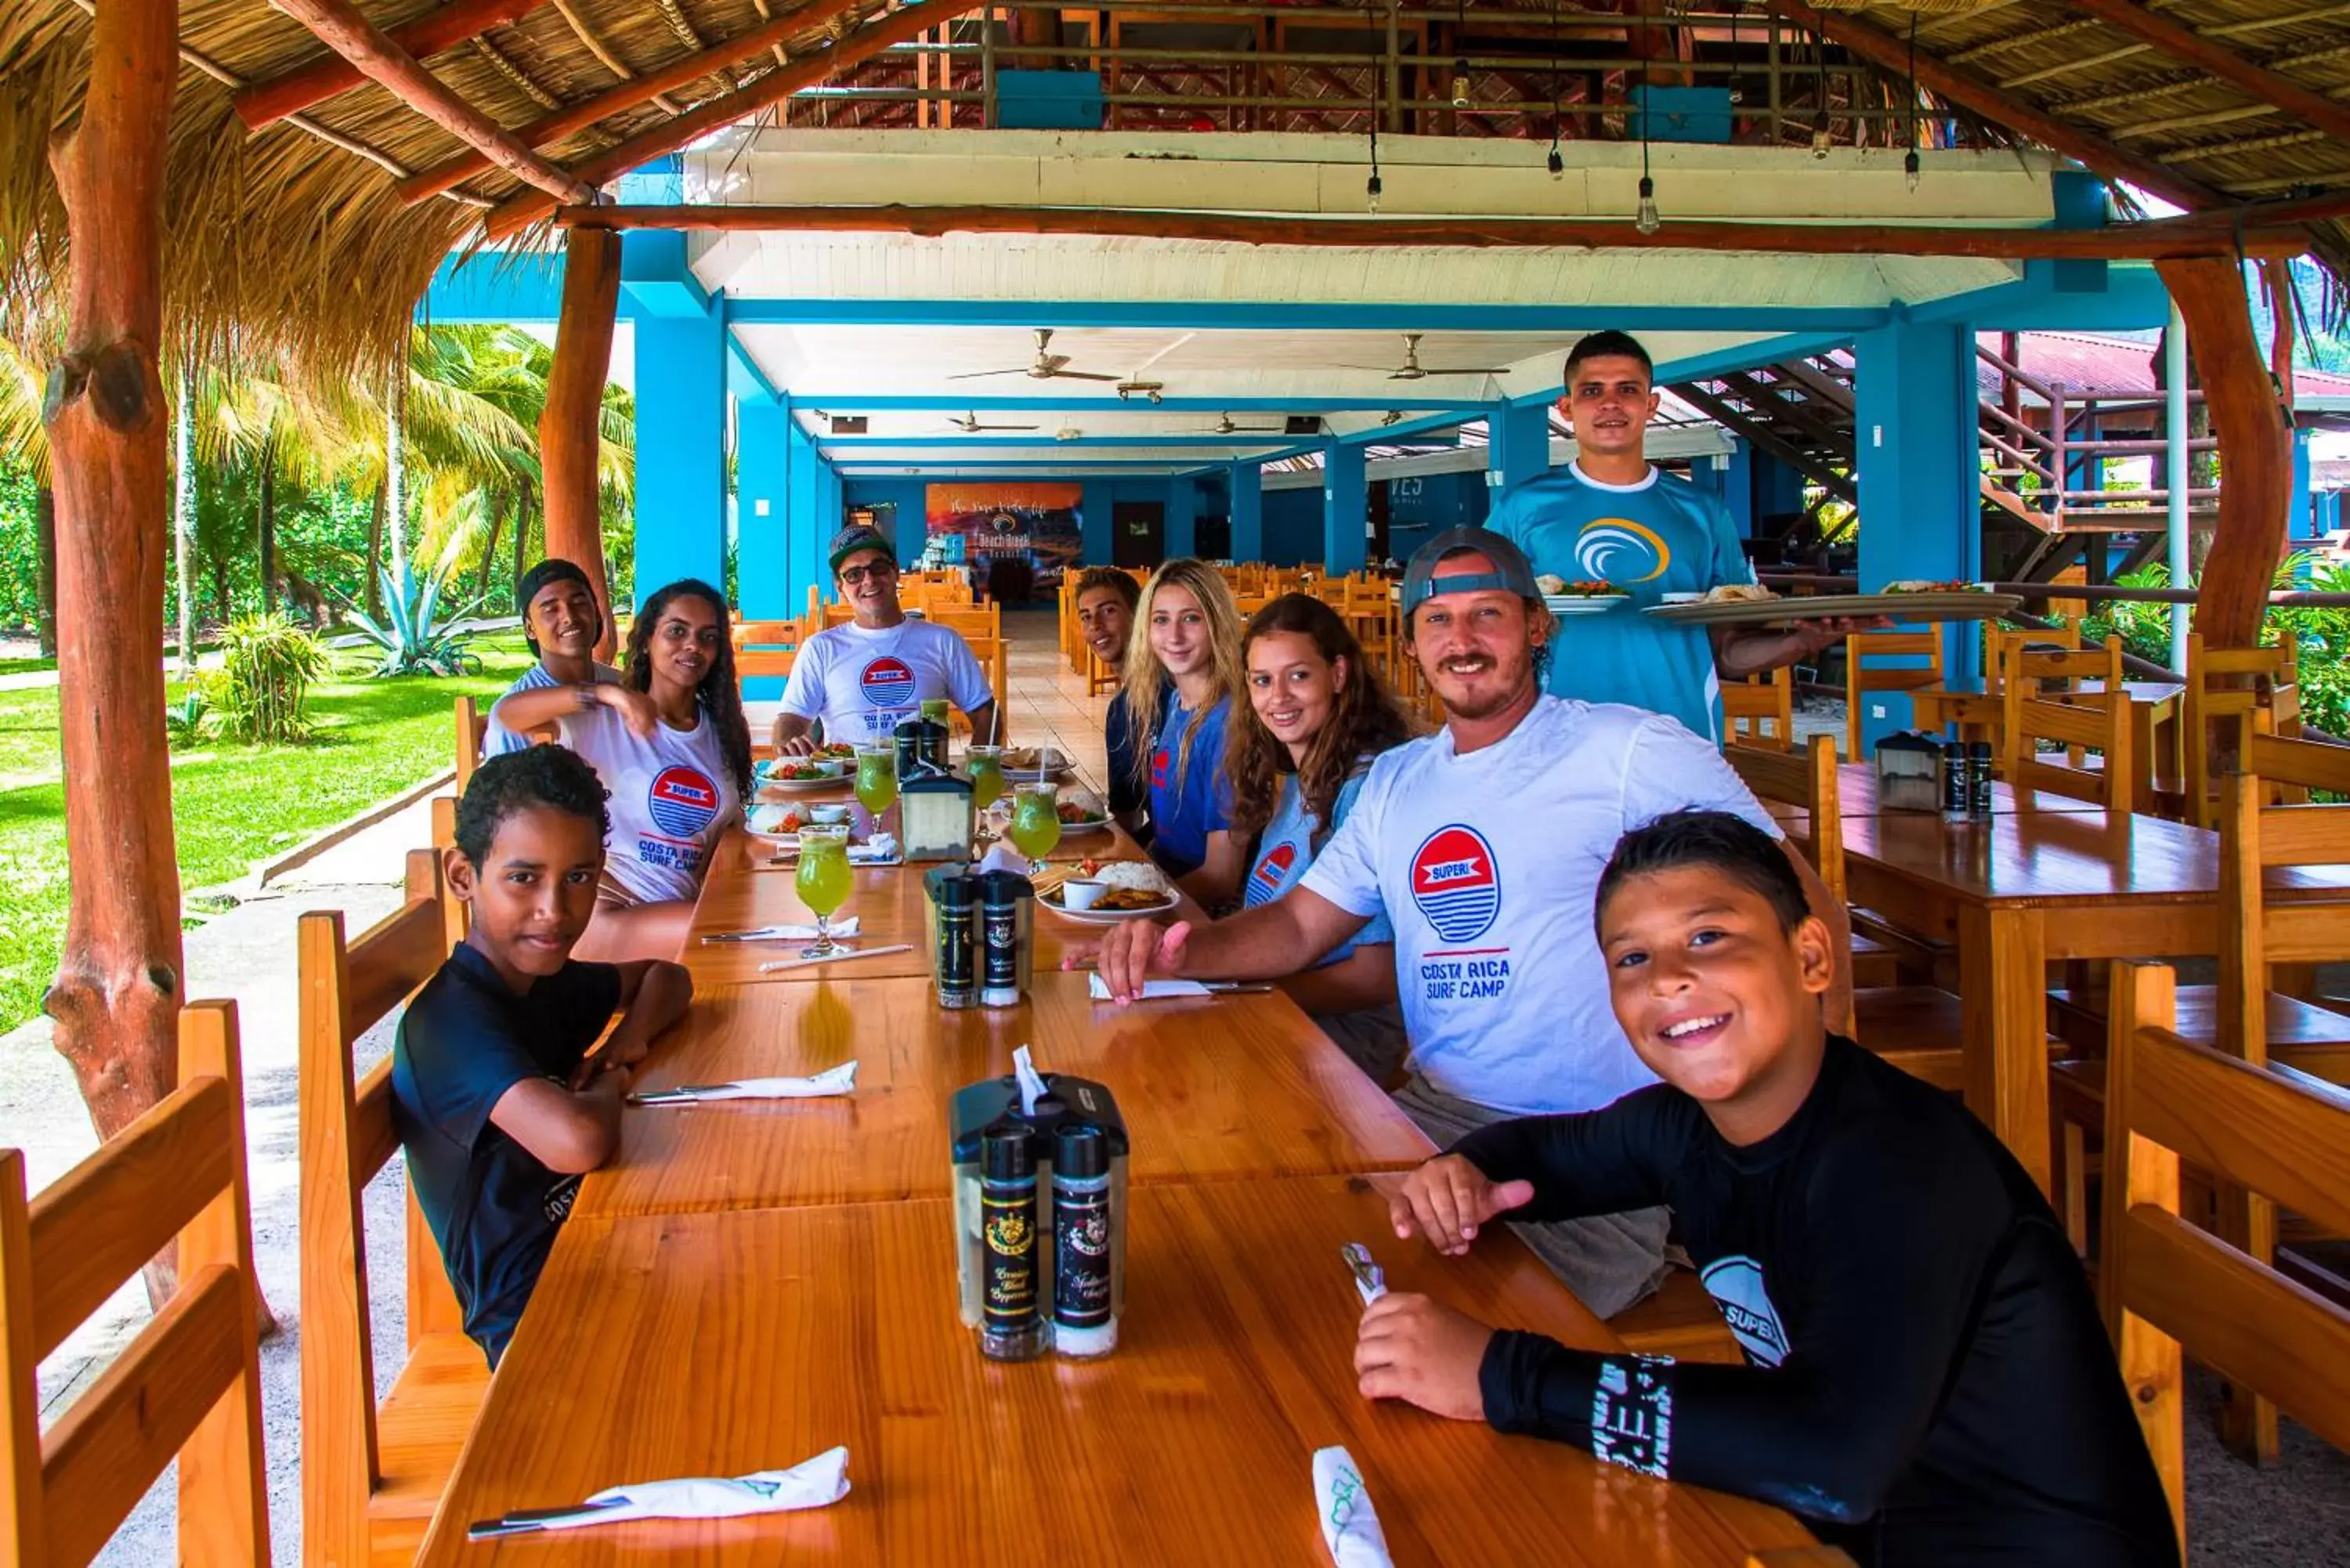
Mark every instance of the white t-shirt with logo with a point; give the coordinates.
(1488, 865)
(863, 684)
(671, 797)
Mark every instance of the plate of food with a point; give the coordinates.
(800, 776)
(1587, 597)
(1082, 812)
(1095, 894)
(1035, 764)
(1750, 604)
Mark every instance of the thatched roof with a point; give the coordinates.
(295, 235)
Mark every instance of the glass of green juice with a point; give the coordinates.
(876, 778)
(985, 766)
(823, 882)
(1036, 820)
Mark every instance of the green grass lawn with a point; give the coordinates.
(232, 804)
(26, 665)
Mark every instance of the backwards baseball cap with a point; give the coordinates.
(1511, 572)
(855, 537)
(555, 569)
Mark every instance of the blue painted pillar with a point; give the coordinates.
(2300, 521)
(1915, 401)
(1518, 444)
(828, 506)
(1346, 505)
(1738, 487)
(680, 447)
(806, 543)
(761, 510)
(1182, 534)
(1097, 538)
(1248, 512)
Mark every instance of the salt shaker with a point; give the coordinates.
(1084, 1321)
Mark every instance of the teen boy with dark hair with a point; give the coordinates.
(562, 625)
(496, 1101)
(1926, 1377)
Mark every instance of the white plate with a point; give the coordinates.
(1038, 775)
(1079, 829)
(1583, 604)
(797, 786)
(1051, 901)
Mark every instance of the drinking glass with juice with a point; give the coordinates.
(1036, 821)
(877, 779)
(985, 766)
(823, 882)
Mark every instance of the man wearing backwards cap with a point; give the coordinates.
(562, 625)
(1483, 844)
(862, 680)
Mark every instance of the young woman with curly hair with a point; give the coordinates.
(1317, 716)
(669, 743)
(1182, 667)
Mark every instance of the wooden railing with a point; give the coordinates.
(2022, 449)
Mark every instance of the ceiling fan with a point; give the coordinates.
(970, 425)
(1392, 417)
(1412, 370)
(1047, 366)
(1224, 426)
(1154, 391)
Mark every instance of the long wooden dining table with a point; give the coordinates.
(751, 1283)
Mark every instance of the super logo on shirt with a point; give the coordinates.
(888, 682)
(1456, 885)
(1271, 867)
(683, 803)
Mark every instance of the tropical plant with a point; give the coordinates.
(186, 722)
(266, 672)
(415, 636)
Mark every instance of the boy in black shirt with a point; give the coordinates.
(496, 1101)
(1928, 1380)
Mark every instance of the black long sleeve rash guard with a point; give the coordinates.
(1927, 1379)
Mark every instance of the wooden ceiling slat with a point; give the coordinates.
(267, 102)
(2184, 44)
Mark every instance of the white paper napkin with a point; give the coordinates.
(1032, 1082)
(1152, 990)
(1350, 1527)
(785, 933)
(1001, 856)
(880, 850)
(821, 1480)
(840, 1080)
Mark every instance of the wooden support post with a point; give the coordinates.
(570, 423)
(116, 997)
(2255, 449)
(266, 103)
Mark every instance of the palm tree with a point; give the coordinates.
(25, 442)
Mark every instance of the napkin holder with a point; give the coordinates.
(1908, 773)
(934, 818)
(1068, 1100)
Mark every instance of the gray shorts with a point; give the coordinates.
(1610, 1261)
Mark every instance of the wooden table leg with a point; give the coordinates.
(2002, 971)
(2143, 761)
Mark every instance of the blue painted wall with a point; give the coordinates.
(1293, 526)
(1423, 505)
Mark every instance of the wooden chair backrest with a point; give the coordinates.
(2098, 722)
(456, 916)
(189, 1383)
(995, 656)
(1862, 673)
(347, 1135)
(2245, 691)
(1761, 710)
(2256, 932)
(472, 726)
(969, 621)
(1808, 780)
(766, 634)
(2171, 1289)
(838, 615)
(765, 664)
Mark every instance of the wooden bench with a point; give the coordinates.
(189, 1383)
(371, 1475)
(2171, 1289)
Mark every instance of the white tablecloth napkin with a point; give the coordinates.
(841, 930)
(1350, 1527)
(1152, 990)
(821, 1480)
(840, 1080)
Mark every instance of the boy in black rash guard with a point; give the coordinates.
(1927, 1379)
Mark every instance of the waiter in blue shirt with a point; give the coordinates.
(1611, 514)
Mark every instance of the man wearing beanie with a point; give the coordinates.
(562, 624)
(862, 680)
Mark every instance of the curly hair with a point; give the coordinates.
(1144, 681)
(720, 692)
(552, 776)
(1364, 721)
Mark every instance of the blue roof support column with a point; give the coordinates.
(762, 511)
(1096, 520)
(1182, 534)
(1738, 486)
(2300, 519)
(1346, 505)
(1248, 512)
(827, 501)
(1918, 480)
(681, 449)
(806, 548)
(1517, 445)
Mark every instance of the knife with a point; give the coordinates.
(681, 1095)
(523, 1520)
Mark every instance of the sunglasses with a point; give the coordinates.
(853, 576)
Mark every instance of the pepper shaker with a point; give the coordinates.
(1011, 1326)
(1084, 1322)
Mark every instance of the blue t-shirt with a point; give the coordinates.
(1286, 849)
(1126, 792)
(464, 1042)
(1661, 536)
(1189, 796)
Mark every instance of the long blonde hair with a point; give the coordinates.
(1144, 684)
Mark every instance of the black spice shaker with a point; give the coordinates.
(1011, 1325)
(1979, 778)
(1083, 1252)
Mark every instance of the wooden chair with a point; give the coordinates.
(1863, 672)
(758, 663)
(371, 1475)
(973, 622)
(189, 1383)
(456, 917)
(1761, 710)
(2171, 1289)
(472, 726)
(2243, 690)
(995, 656)
(785, 633)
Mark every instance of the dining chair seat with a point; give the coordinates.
(420, 1429)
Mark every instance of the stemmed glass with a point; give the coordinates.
(1036, 821)
(823, 882)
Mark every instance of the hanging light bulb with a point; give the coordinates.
(1371, 192)
(1820, 135)
(1460, 83)
(1909, 169)
(1648, 220)
(1557, 164)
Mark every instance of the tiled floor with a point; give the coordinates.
(1049, 705)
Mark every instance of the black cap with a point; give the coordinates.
(1080, 1150)
(1005, 1154)
(850, 540)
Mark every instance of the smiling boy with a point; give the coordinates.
(562, 625)
(1927, 1379)
(496, 1101)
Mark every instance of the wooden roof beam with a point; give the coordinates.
(1976, 92)
(2163, 239)
(645, 89)
(884, 32)
(339, 26)
(267, 102)
(2185, 44)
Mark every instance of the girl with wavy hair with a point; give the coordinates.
(1301, 746)
(669, 743)
(1182, 667)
